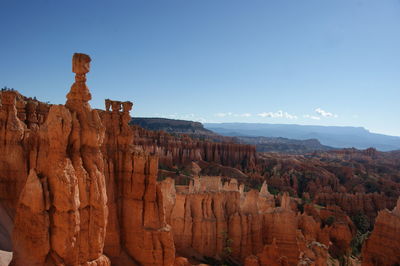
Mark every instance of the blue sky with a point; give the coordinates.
(316, 62)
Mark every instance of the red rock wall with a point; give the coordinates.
(382, 246)
(13, 160)
(220, 221)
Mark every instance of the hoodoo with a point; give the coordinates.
(60, 165)
(61, 215)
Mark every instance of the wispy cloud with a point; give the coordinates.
(312, 117)
(223, 114)
(278, 114)
(227, 114)
(190, 117)
(324, 113)
(243, 115)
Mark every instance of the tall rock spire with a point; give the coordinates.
(61, 216)
(79, 95)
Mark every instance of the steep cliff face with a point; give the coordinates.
(137, 233)
(20, 119)
(211, 219)
(13, 165)
(16, 138)
(382, 246)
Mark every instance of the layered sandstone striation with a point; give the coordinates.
(382, 246)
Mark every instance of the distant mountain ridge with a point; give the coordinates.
(334, 136)
(175, 126)
(284, 145)
(170, 125)
(197, 130)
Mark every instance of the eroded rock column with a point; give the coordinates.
(62, 212)
(137, 233)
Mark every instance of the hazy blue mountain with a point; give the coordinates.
(283, 145)
(334, 136)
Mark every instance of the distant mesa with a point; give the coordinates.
(333, 136)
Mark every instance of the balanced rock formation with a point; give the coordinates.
(61, 215)
(382, 246)
(59, 166)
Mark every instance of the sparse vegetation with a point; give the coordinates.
(362, 223)
(273, 190)
(357, 242)
(226, 258)
(330, 220)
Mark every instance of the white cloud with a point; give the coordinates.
(289, 116)
(325, 113)
(200, 119)
(223, 114)
(187, 116)
(190, 117)
(278, 114)
(312, 117)
(243, 115)
(232, 114)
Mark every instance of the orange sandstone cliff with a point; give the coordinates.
(382, 246)
(210, 219)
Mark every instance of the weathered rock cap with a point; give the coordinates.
(81, 63)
